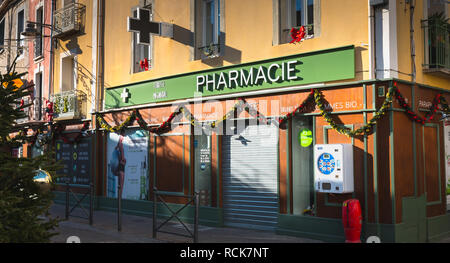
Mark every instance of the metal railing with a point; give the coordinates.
(89, 215)
(192, 199)
(437, 45)
(68, 20)
(69, 104)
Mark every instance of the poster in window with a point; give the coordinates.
(127, 161)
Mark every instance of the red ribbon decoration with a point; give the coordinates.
(144, 64)
(297, 34)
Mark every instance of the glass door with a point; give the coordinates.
(302, 165)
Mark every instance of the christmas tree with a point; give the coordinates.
(24, 204)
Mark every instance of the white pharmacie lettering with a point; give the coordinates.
(211, 81)
(260, 75)
(269, 71)
(200, 82)
(291, 69)
(246, 81)
(222, 81)
(232, 77)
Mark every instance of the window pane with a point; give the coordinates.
(299, 9)
(209, 23)
(310, 12)
(2, 34)
(20, 23)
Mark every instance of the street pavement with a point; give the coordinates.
(138, 229)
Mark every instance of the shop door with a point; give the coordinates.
(250, 177)
(302, 165)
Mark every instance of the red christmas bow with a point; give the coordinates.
(144, 64)
(297, 34)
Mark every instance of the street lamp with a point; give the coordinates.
(31, 31)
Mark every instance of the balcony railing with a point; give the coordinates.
(437, 46)
(69, 105)
(68, 20)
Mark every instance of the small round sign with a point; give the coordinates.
(305, 138)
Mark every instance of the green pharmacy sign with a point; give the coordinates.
(295, 70)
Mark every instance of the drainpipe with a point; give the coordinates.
(100, 54)
(413, 47)
(52, 56)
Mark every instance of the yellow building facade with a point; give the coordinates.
(207, 61)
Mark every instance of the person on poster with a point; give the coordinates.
(119, 162)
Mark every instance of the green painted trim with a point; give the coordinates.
(325, 86)
(413, 225)
(438, 227)
(329, 229)
(314, 123)
(288, 172)
(326, 229)
(366, 210)
(392, 159)
(364, 96)
(433, 125)
(328, 127)
(375, 168)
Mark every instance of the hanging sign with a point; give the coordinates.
(144, 27)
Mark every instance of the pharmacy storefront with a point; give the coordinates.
(243, 136)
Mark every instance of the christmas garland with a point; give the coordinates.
(438, 100)
(77, 138)
(165, 126)
(318, 97)
(282, 120)
(129, 121)
(315, 96)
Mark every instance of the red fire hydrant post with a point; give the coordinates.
(352, 220)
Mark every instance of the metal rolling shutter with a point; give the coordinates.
(250, 177)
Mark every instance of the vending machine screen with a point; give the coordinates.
(326, 163)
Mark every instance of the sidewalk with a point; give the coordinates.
(137, 229)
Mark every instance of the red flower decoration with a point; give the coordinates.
(297, 34)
